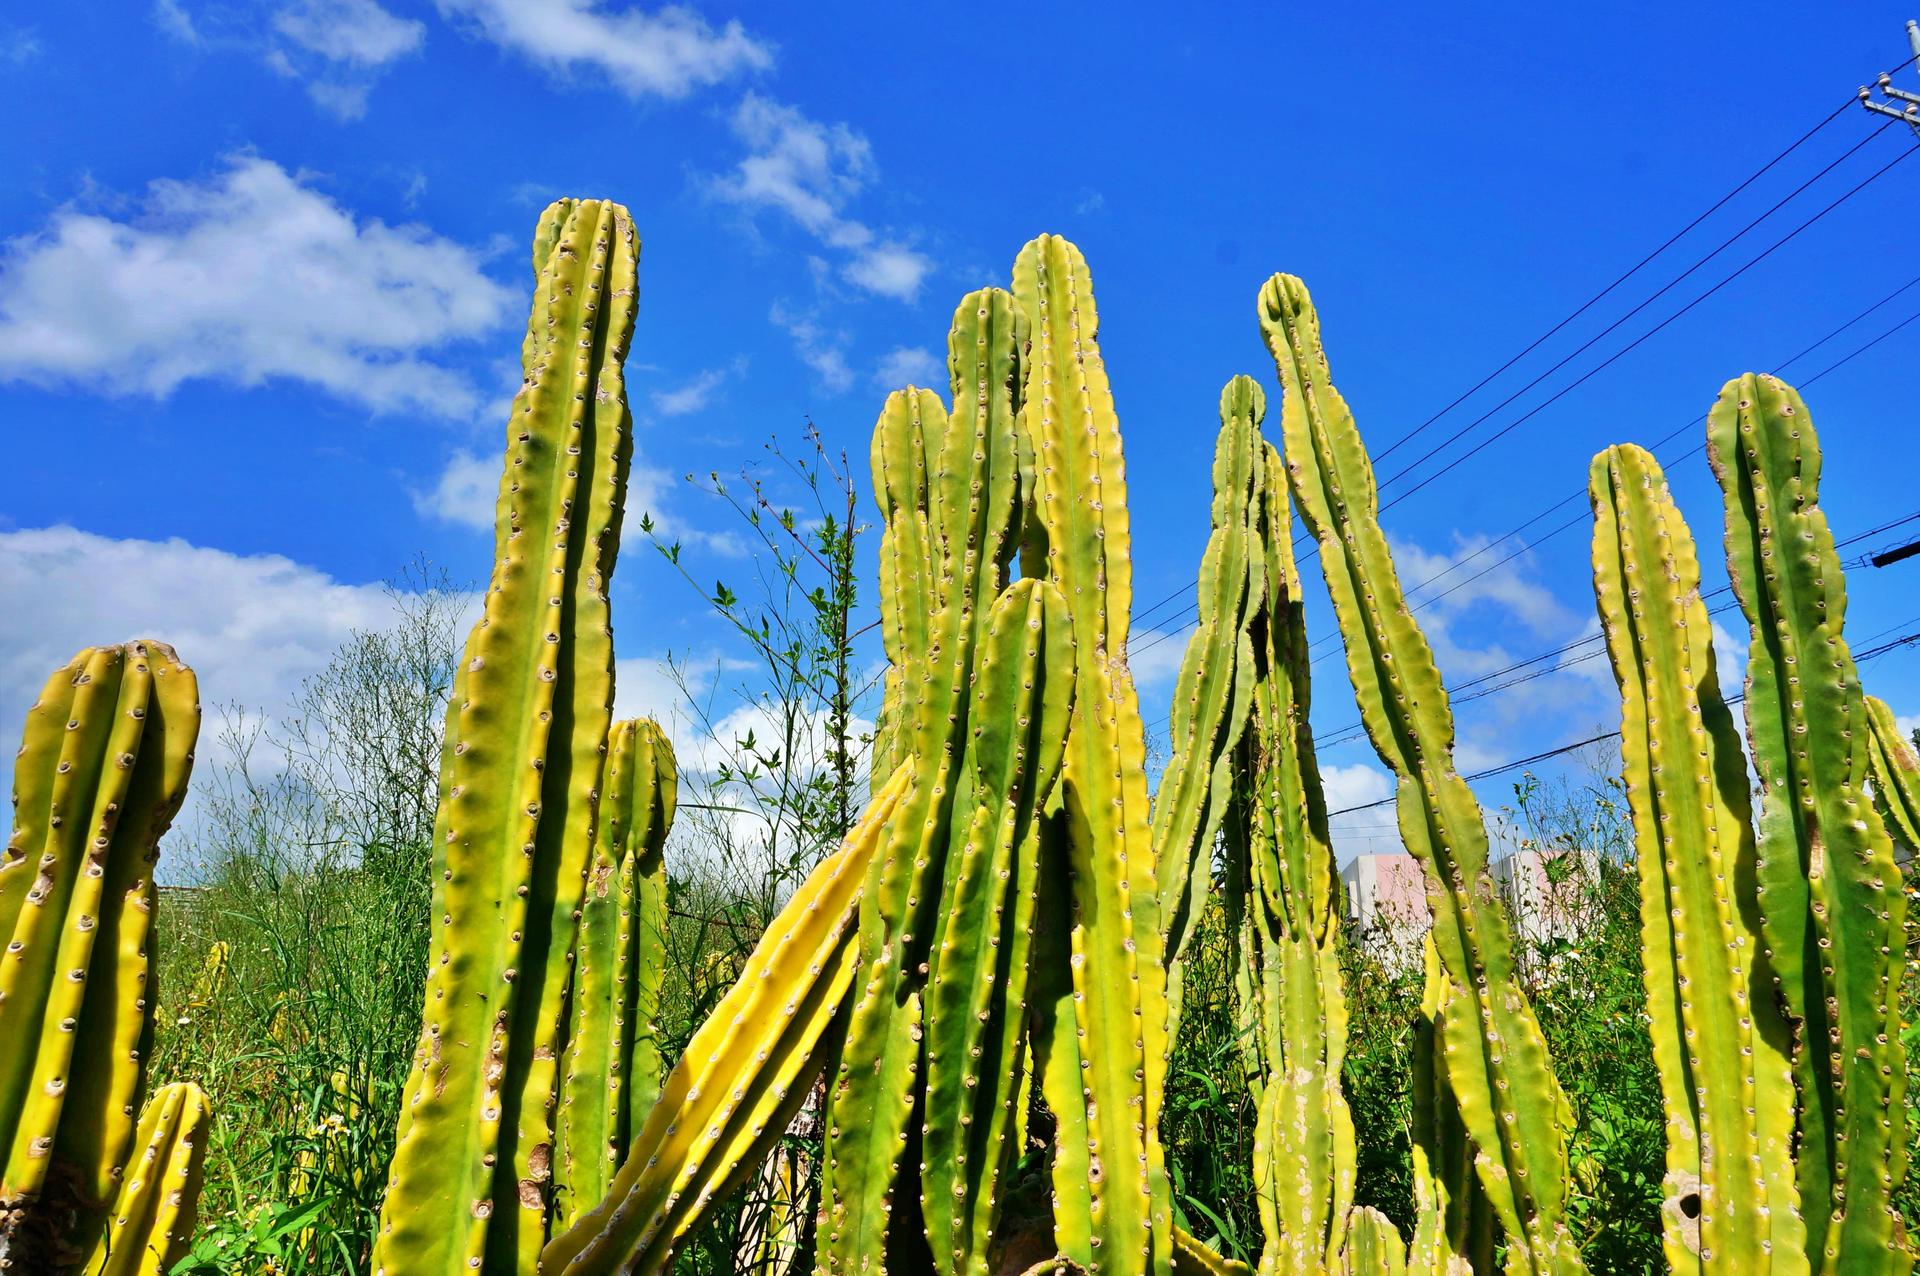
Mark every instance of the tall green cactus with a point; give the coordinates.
(1104, 1080)
(151, 1226)
(1894, 771)
(744, 1073)
(1720, 1045)
(976, 1003)
(1373, 1246)
(1453, 1226)
(611, 1073)
(947, 485)
(1304, 1155)
(526, 730)
(1496, 1056)
(1215, 688)
(101, 773)
(1832, 907)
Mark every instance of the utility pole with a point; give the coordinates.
(1897, 103)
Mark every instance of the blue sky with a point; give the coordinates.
(262, 278)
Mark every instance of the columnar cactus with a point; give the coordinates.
(526, 730)
(101, 773)
(744, 1073)
(1719, 1043)
(947, 485)
(1102, 1040)
(1215, 687)
(1832, 910)
(1453, 1227)
(151, 1227)
(1304, 1157)
(1894, 771)
(1373, 1246)
(611, 1071)
(1496, 1056)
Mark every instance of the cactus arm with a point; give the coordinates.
(1373, 1246)
(644, 879)
(1832, 908)
(1505, 1086)
(1214, 689)
(1893, 769)
(1056, 1046)
(1305, 1161)
(612, 1062)
(526, 723)
(1721, 1050)
(743, 1073)
(1115, 941)
(976, 1006)
(1193, 1257)
(102, 770)
(151, 1226)
(593, 1080)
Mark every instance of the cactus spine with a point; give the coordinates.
(1215, 687)
(612, 1068)
(1304, 1157)
(1104, 1082)
(152, 1222)
(102, 771)
(526, 730)
(1832, 908)
(1496, 1057)
(1720, 1046)
(1895, 773)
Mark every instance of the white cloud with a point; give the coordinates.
(358, 32)
(1363, 832)
(666, 53)
(811, 171)
(910, 365)
(467, 491)
(251, 626)
(337, 49)
(823, 350)
(175, 21)
(248, 277)
(691, 397)
(18, 45)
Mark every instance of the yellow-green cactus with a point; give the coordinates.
(1101, 1027)
(151, 1226)
(102, 771)
(1894, 771)
(1832, 911)
(1215, 687)
(471, 1179)
(1719, 1043)
(611, 1073)
(1287, 906)
(1496, 1055)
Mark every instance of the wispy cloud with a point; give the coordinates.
(247, 277)
(689, 398)
(811, 172)
(336, 49)
(910, 365)
(820, 348)
(666, 53)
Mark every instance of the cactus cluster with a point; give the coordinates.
(987, 971)
(102, 771)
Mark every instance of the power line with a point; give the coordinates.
(1164, 629)
(1529, 760)
(1478, 688)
